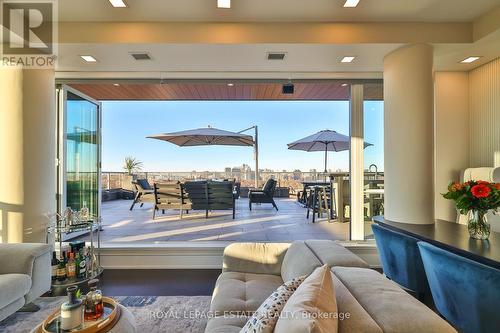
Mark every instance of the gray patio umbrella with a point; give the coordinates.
(326, 141)
(210, 136)
(205, 137)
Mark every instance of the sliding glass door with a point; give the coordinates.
(79, 151)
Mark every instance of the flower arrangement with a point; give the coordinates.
(478, 198)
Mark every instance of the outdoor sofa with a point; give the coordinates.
(195, 195)
(252, 271)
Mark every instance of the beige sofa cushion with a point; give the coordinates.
(228, 324)
(312, 308)
(258, 258)
(298, 261)
(237, 292)
(352, 317)
(391, 308)
(334, 254)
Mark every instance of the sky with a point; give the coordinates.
(126, 125)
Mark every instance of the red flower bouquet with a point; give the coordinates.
(475, 198)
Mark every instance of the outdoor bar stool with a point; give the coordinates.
(318, 201)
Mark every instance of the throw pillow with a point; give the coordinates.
(312, 308)
(264, 319)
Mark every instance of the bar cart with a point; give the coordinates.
(94, 269)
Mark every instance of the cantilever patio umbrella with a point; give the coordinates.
(326, 141)
(209, 136)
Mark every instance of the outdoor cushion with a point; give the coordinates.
(228, 324)
(312, 308)
(12, 287)
(144, 184)
(298, 261)
(238, 293)
(393, 309)
(268, 185)
(334, 254)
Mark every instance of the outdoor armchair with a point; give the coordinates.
(144, 192)
(266, 195)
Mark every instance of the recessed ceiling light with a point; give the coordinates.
(344, 84)
(88, 58)
(469, 60)
(230, 84)
(118, 3)
(116, 84)
(348, 59)
(351, 3)
(224, 4)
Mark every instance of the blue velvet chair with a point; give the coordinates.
(465, 292)
(401, 260)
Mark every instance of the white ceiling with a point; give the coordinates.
(249, 60)
(224, 58)
(301, 59)
(276, 10)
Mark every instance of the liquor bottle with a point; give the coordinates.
(61, 270)
(90, 266)
(71, 311)
(81, 265)
(55, 266)
(71, 266)
(93, 302)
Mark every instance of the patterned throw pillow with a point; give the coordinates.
(266, 316)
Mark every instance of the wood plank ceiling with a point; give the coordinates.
(218, 91)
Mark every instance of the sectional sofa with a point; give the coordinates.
(372, 303)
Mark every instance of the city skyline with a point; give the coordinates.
(126, 125)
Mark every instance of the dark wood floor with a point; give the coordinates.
(159, 282)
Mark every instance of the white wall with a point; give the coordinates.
(484, 105)
(484, 86)
(27, 153)
(451, 116)
(467, 128)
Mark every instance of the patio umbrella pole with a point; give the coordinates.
(256, 146)
(326, 157)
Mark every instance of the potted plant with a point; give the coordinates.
(475, 198)
(130, 165)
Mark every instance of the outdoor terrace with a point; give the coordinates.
(263, 223)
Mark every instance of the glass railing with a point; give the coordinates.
(292, 180)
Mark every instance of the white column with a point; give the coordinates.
(409, 132)
(27, 153)
(357, 162)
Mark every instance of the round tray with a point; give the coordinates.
(104, 324)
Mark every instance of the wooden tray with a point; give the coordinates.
(102, 325)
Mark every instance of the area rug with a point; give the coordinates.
(169, 314)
